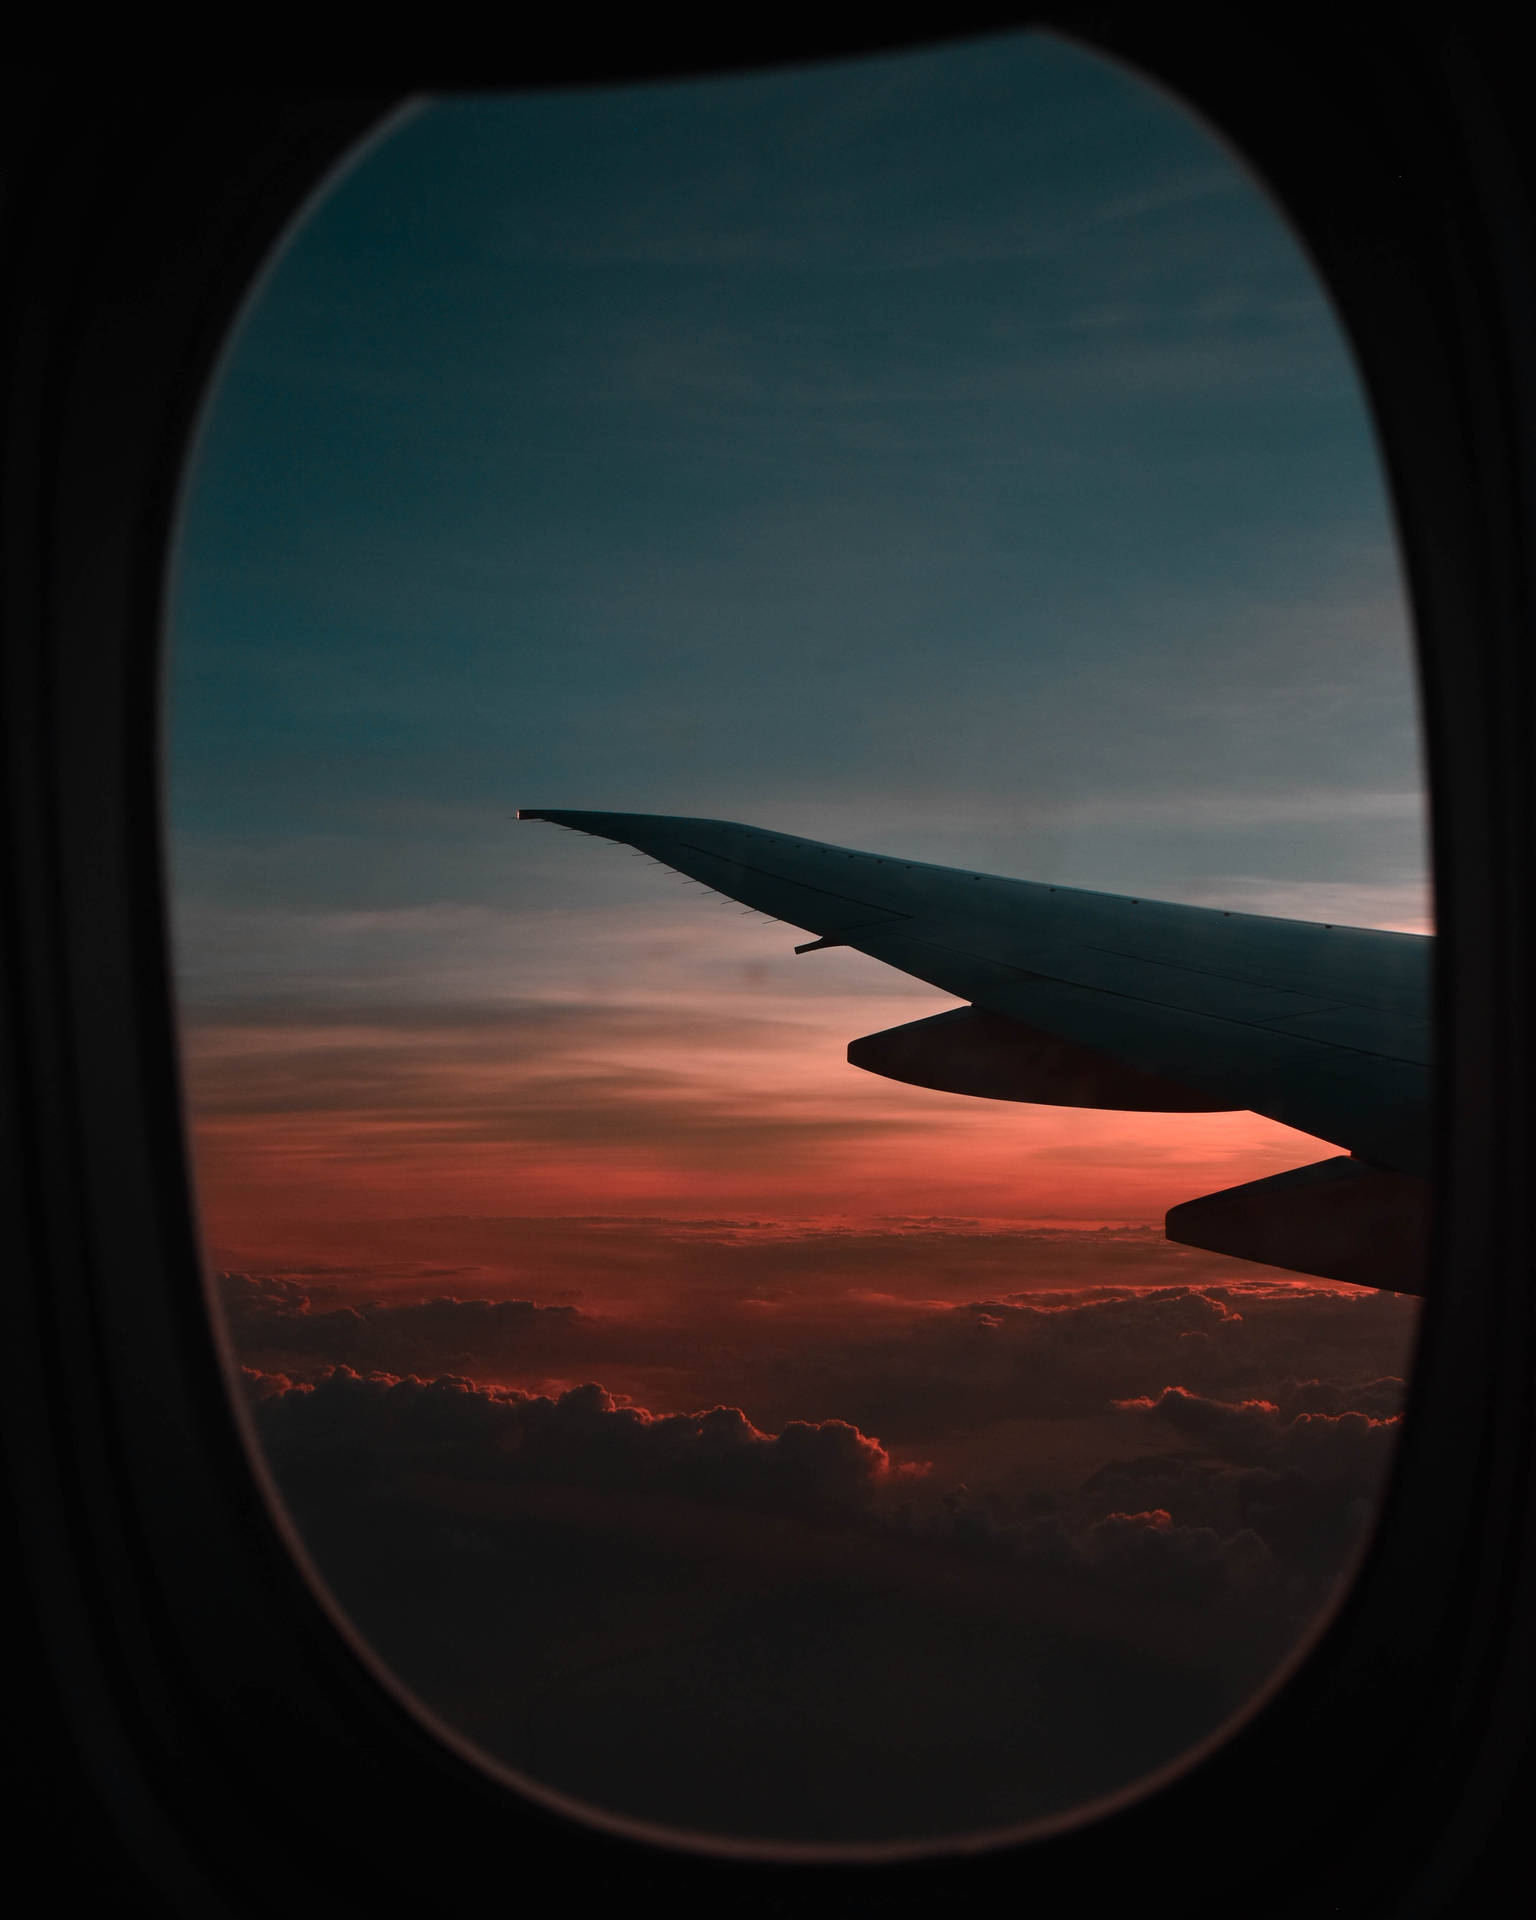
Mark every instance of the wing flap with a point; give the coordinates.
(1337, 1219)
(971, 1051)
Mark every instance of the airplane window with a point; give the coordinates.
(845, 1281)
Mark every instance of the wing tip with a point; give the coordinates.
(604, 826)
(556, 816)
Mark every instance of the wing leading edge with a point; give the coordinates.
(1100, 1000)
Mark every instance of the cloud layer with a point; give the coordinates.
(1012, 1554)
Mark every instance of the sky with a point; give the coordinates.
(949, 454)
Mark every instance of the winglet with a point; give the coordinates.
(606, 826)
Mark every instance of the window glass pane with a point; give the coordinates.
(948, 456)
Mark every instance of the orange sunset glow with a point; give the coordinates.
(667, 1100)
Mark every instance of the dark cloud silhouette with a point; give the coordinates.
(695, 1619)
(1150, 1552)
(1241, 1430)
(1062, 1357)
(1348, 1444)
(279, 1322)
(1306, 1483)
(369, 1428)
(840, 1564)
(913, 1370)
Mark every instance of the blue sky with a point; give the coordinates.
(950, 452)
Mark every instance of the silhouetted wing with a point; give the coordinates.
(1095, 999)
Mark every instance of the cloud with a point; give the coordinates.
(259, 1386)
(1244, 1430)
(1343, 1442)
(1306, 1483)
(1148, 1552)
(797, 1633)
(374, 1425)
(967, 1367)
(821, 1324)
(1230, 1460)
(278, 1321)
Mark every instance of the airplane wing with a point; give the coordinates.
(1101, 1000)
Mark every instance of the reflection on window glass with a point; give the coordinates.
(947, 456)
